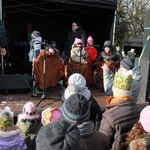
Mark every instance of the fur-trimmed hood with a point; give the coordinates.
(15, 131)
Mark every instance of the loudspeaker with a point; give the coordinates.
(15, 82)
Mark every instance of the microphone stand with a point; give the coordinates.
(80, 48)
(46, 47)
(44, 74)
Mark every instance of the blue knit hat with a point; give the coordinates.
(76, 109)
(127, 63)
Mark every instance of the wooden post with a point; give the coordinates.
(145, 62)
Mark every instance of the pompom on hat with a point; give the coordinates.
(77, 41)
(122, 84)
(145, 118)
(50, 115)
(127, 63)
(76, 109)
(90, 39)
(58, 136)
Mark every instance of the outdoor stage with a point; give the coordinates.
(16, 99)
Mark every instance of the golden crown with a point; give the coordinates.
(122, 82)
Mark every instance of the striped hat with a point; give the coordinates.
(76, 109)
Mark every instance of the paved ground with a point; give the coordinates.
(16, 99)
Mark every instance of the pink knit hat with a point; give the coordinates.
(145, 118)
(77, 41)
(29, 109)
(50, 115)
(90, 39)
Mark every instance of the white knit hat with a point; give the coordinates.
(77, 84)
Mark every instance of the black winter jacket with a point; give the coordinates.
(3, 37)
(118, 121)
(78, 33)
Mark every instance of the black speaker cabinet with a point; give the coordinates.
(15, 82)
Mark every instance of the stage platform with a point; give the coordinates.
(16, 99)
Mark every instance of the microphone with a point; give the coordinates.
(97, 46)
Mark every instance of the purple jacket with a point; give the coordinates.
(12, 140)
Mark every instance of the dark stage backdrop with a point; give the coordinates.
(53, 18)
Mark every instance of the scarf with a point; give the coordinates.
(86, 128)
(111, 100)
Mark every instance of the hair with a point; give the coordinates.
(139, 144)
(136, 133)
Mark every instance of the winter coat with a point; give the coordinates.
(35, 48)
(76, 62)
(53, 64)
(92, 52)
(112, 56)
(3, 37)
(30, 128)
(118, 120)
(95, 141)
(95, 110)
(78, 55)
(108, 82)
(78, 33)
(12, 140)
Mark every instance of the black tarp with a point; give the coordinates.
(136, 41)
(53, 18)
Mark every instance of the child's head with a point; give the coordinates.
(50, 115)
(145, 118)
(59, 135)
(76, 109)
(35, 34)
(6, 120)
(29, 109)
(107, 46)
(78, 42)
(90, 41)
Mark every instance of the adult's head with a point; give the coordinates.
(75, 25)
(58, 136)
(76, 109)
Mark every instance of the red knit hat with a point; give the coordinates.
(90, 39)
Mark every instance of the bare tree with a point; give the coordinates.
(130, 19)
